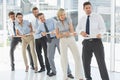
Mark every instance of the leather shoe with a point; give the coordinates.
(71, 76)
(12, 68)
(51, 74)
(48, 72)
(41, 70)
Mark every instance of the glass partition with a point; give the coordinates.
(117, 34)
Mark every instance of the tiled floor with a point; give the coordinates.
(20, 74)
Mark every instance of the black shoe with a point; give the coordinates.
(51, 74)
(48, 72)
(13, 68)
(71, 76)
(41, 70)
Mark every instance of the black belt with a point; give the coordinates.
(92, 39)
(53, 38)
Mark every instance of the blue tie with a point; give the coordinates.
(88, 25)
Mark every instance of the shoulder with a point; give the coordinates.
(9, 21)
(58, 23)
(50, 19)
(67, 18)
(83, 17)
(26, 22)
(96, 15)
(16, 23)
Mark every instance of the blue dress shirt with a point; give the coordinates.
(50, 25)
(25, 28)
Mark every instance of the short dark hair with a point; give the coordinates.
(19, 14)
(86, 3)
(39, 14)
(11, 13)
(35, 8)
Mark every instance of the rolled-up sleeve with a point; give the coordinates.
(38, 33)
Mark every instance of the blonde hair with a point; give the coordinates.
(60, 11)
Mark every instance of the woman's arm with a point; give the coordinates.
(72, 32)
(61, 35)
(71, 28)
(57, 33)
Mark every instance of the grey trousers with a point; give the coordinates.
(51, 53)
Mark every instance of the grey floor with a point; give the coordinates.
(20, 74)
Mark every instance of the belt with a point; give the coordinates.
(53, 38)
(92, 39)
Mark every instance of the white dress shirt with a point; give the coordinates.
(34, 21)
(10, 27)
(97, 25)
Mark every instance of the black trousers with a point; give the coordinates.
(95, 46)
(42, 43)
(14, 42)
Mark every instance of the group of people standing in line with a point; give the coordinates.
(58, 32)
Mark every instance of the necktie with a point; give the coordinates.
(14, 28)
(48, 35)
(88, 25)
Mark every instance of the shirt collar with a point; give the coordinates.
(90, 14)
(11, 20)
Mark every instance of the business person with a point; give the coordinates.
(53, 44)
(91, 27)
(38, 47)
(24, 30)
(41, 42)
(15, 40)
(33, 18)
(65, 32)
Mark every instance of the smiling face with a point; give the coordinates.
(19, 18)
(88, 9)
(41, 18)
(12, 17)
(62, 16)
(35, 12)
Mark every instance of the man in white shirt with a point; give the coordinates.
(33, 18)
(92, 27)
(15, 40)
(44, 63)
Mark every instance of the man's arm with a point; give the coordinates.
(80, 28)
